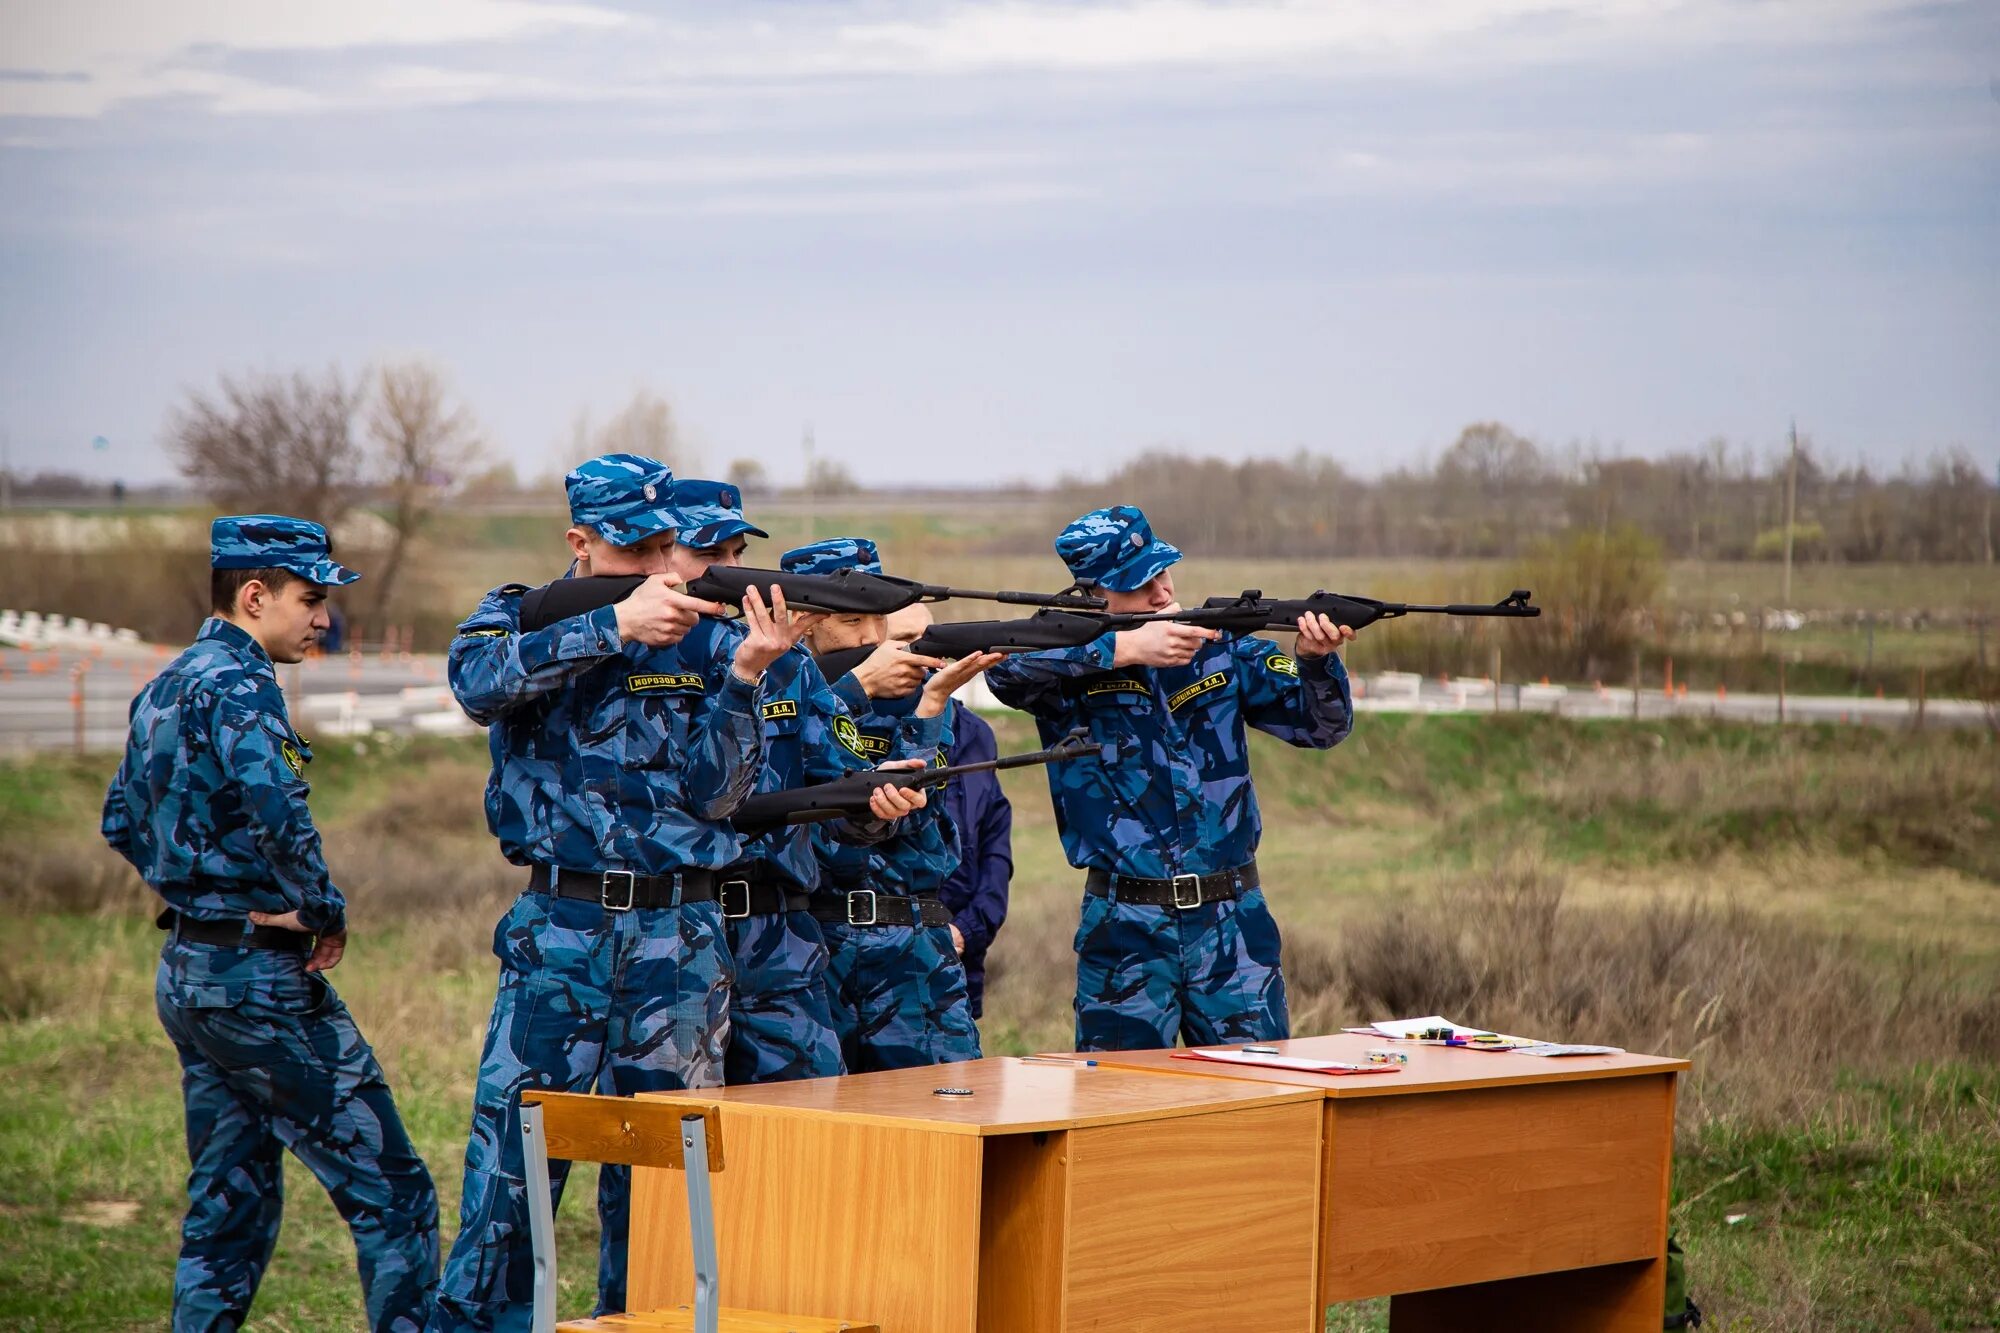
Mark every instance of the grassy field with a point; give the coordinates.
(1813, 916)
(1926, 617)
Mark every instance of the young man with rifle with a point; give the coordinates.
(1175, 940)
(894, 979)
(780, 1023)
(621, 745)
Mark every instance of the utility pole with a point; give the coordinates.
(812, 485)
(1791, 513)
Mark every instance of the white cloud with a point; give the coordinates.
(128, 51)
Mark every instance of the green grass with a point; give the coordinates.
(1865, 1174)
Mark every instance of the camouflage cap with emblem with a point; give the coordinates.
(624, 498)
(275, 541)
(833, 555)
(711, 512)
(1114, 548)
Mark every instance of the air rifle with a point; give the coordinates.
(847, 591)
(1244, 614)
(847, 798)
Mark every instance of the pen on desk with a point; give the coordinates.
(1055, 1060)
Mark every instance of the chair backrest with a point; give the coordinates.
(629, 1131)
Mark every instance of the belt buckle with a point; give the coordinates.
(874, 912)
(610, 877)
(1194, 886)
(722, 896)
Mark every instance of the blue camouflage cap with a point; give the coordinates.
(710, 512)
(623, 497)
(274, 541)
(831, 555)
(1114, 547)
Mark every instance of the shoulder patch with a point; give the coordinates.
(848, 734)
(295, 759)
(666, 682)
(778, 708)
(1118, 685)
(484, 633)
(512, 588)
(1214, 680)
(1283, 665)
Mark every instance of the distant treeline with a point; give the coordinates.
(1493, 493)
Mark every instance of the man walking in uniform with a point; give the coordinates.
(621, 744)
(1175, 940)
(894, 979)
(209, 806)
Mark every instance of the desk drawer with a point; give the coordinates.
(1453, 1188)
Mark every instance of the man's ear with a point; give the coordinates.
(579, 543)
(251, 599)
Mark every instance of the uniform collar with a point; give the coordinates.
(239, 644)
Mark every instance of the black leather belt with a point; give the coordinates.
(745, 894)
(235, 933)
(866, 907)
(623, 890)
(1181, 892)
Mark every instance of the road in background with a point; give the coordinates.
(42, 693)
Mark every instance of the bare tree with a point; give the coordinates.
(646, 425)
(269, 442)
(424, 444)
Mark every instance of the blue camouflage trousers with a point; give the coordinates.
(898, 997)
(589, 1000)
(271, 1060)
(1148, 976)
(780, 1024)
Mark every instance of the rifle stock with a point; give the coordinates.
(847, 798)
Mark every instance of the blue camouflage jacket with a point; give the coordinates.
(209, 804)
(923, 850)
(1174, 794)
(808, 738)
(608, 755)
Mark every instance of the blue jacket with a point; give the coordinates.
(923, 850)
(209, 804)
(808, 738)
(1174, 795)
(976, 891)
(609, 755)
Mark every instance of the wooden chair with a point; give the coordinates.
(577, 1127)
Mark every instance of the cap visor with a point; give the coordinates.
(1134, 575)
(624, 532)
(330, 574)
(718, 532)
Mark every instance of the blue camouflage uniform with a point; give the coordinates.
(1177, 800)
(210, 806)
(976, 892)
(897, 991)
(780, 1023)
(607, 757)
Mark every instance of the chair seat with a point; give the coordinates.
(680, 1319)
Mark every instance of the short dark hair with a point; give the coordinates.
(224, 584)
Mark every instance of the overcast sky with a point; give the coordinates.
(982, 241)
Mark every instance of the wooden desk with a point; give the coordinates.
(1052, 1198)
(1485, 1190)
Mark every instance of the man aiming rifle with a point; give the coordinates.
(1175, 940)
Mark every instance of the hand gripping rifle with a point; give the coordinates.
(1244, 614)
(844, 591)
(847, 798)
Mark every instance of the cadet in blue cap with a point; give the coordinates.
(894, 978)
(780, 1024)
(1176, 941)
(622, 739)
(210, 806)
